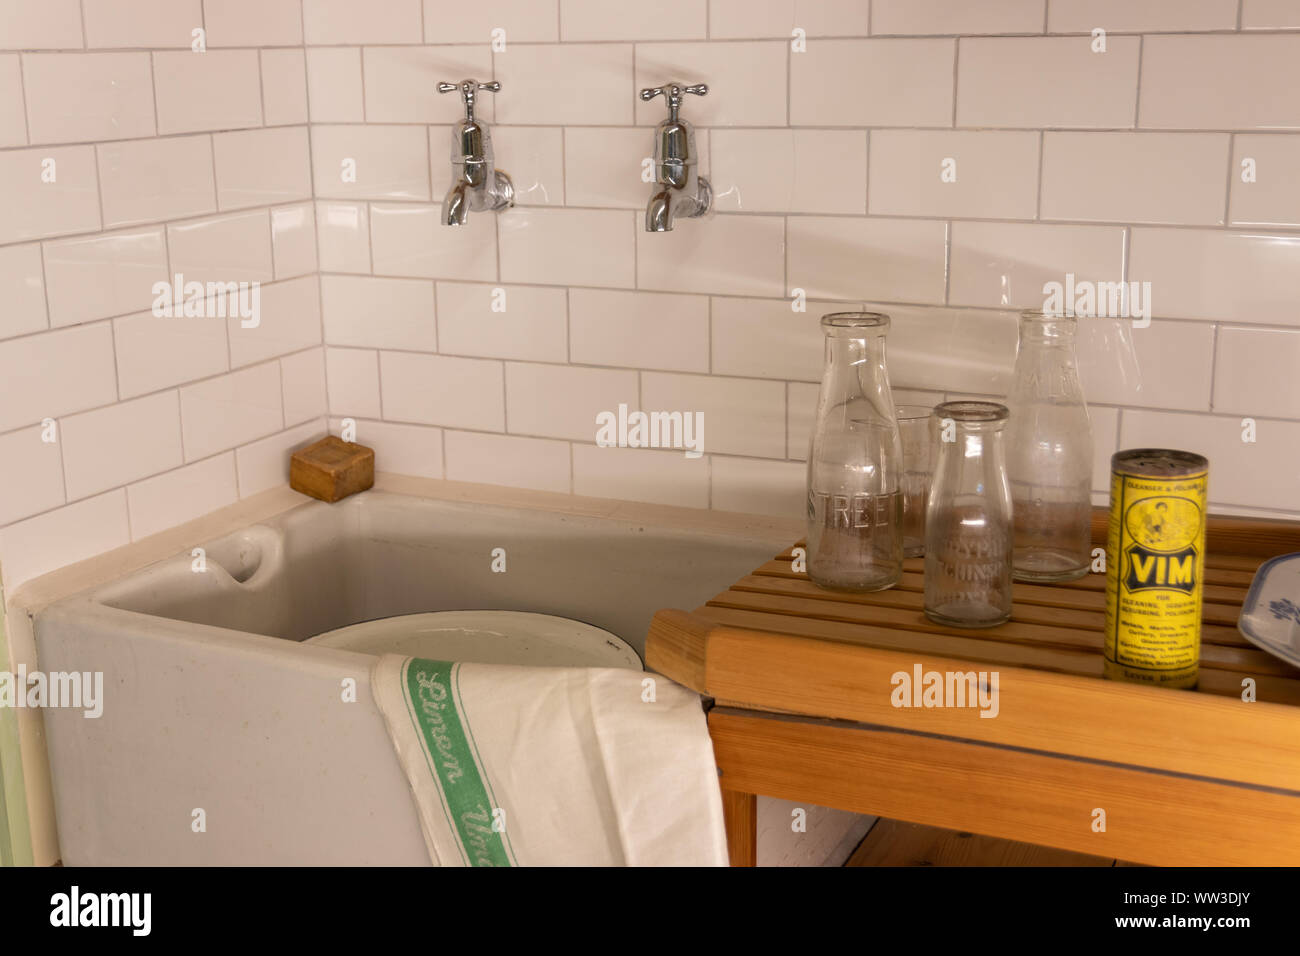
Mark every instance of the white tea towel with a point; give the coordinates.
(551, 766)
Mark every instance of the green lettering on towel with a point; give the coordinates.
(434, 708)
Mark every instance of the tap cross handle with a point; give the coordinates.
(674, 93)
(468, 90)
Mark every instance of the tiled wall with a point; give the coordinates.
(826, 167)
(826, 164)
(127, 157)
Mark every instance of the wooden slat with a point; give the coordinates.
(1063, 632)
(895, 843)
(1150, 817)
(1082, 663)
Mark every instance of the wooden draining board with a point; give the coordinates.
(810, 671)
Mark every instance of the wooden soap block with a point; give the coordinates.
(331, 469)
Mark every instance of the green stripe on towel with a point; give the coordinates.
(434, 705)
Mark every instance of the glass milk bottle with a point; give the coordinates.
(855, 502)
(1049, 453)
(968, 519)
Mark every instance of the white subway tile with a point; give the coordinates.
(533, 156)
(22, 289)
(13, 116)
(302, 378)
(141, 23)
(120, 443)
(555, 84)
(54, 374)
(729, 255)
(334, 85)
(1135, 177)
(563, 401)
(603, 165)
(524, 21)
(264, 464)
(639, 329)
(1006, 264)
(1165, 365)
(568, 246)
(411, 240)
(253, 22)
(759, 69)
(155, 179)
(231, 410)
(284, 87)
(74, 97)
(346, 21)
(1270, 15)
(1251, 84)
(950, 350)
(664, 20)
(41, 25)
(885, 259)
(158, 352)
(510, 322)
(1213, 274)
(35, 208)
(229, 248)
(947, 17)
(401, 449)
(293, 239)
(220, 89)
(1141, 16)
(1031, 82)
(166, 501)
(1260, 474)
(259, 167)
(782, 170)
(889, 83)
(1255, 372)
(767, 339)
(741, 416)
(442, 390)
(31, 480)
(64, 536)
(1272, 196)
(289, 320)
(112, 273)
(401, 82)
(912, 173)
(343, 231)
(752, 486)
(641, 474)
(495, 460)
(802, 399)
(747, 19)
(379, 313)
(353, 376)
(388, 162)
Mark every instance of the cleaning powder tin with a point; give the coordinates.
(1155, 553)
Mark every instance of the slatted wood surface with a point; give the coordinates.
(802, 683)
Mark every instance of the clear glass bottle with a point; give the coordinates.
(968, 518)
(855, 501)
(1049, 453)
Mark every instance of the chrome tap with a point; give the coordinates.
(476, 182)
(679, 189)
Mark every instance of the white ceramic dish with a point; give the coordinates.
(486, 637)
(1270, 616)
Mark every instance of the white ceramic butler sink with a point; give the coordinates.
(215, 701)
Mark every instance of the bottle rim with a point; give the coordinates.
(1038, 315)
(855, 320)
(972, 412)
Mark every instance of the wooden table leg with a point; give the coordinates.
(740, 814)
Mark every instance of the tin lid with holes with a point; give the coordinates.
(1158, 463)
